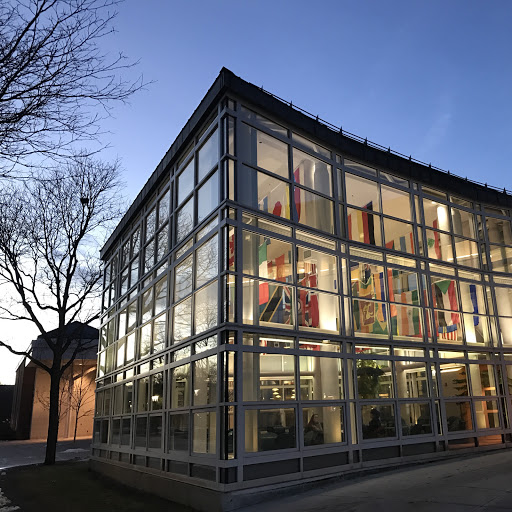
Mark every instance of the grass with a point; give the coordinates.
(71, 487)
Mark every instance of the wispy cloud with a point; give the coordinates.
(441, 120)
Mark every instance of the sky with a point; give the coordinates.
(429, 79)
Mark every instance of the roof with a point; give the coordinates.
(75, 330)
(346, 143)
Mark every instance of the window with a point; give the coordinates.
(374, 378)
(258, 148)
(312, 172)
(313, 210)
(378, 421)
(320, 378)
(263, 192)
(208, 155)
(323, 425)
(208, 197)
(269, 429)
(268, 377)
(186, 182)
(205, 381)
(204, 434)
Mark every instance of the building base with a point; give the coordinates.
(211, 497)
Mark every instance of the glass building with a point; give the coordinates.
(285, 301)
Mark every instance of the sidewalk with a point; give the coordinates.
(469, 484)
(22, 453)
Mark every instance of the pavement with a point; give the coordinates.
(469, 484)
(23, 453)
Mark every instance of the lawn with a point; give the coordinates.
(71, 487)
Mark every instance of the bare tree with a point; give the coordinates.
(81, 394)
(56, 84)
(50, 230)
(43, 398)
(76, 396)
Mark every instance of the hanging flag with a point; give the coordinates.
(263, 258)
(231, 249)
(296, 193)
(474, 300)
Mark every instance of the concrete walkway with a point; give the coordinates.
(469, 484)
(22, 453)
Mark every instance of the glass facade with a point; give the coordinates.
(279, 304)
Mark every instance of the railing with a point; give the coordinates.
(367, 142)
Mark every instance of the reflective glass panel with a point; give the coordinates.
(205, 381)
(370, 318)
(208, 197)
(466, 252)
(363, 227)
(185, 220)
(183, 279)
(463, 223)
(207, 257)
(312, 172)
(378, 421)
(313, 210)
(258, 148)
(268, 377)
(206, 307)
(498, 231)
(396, 203)
(438, 246)
(317, 310)
(406, 322)
(180, 386)
(487, 414)
(374, 378)
(323, 425)
(205, 432)
(269, 429)
(367, 280)
(267, 257)
(436, 215)
(416, 419)
(411, 379)
(454, 379)
(262, 192)
(362, 192)
(182, 320)
(399, 236)
(320, 378)
(208, 155)
(458, 416)
(186, 182)
(316, 269)
(178, 432)
(267, 303)
(483, 382)
(501, 258)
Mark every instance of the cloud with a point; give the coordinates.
(440, 125)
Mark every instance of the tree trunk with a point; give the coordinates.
(53, 417)
(76, 425)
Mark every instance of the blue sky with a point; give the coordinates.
(430, 79)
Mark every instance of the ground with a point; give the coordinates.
(21, 453)
(476, 483)
(71, 487)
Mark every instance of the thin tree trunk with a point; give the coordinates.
(76, 426)
(53, 417)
